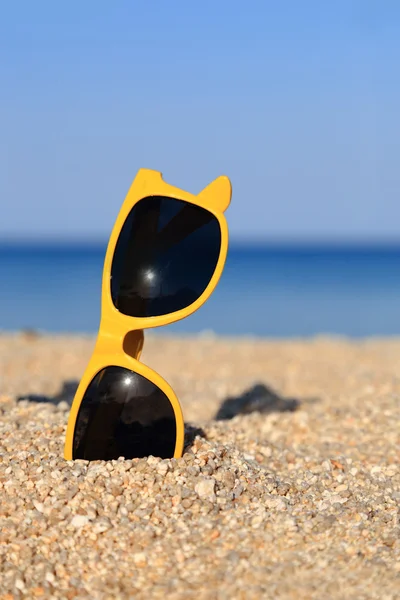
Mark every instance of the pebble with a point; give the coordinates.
(79, 521)
(205, 488)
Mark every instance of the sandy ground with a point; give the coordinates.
(289, 487)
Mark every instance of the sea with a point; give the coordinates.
(281, 291)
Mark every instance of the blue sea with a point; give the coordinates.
(264, 291)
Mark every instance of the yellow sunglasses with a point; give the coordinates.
(165, 256)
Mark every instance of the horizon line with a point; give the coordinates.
(234, 241)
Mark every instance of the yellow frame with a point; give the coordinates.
(120, 337)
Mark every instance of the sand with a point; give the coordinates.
(289, 486)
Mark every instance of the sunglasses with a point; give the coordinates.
(165, 256)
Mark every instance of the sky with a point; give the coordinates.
(297, 102)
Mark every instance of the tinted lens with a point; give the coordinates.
(165, 256)
(124, 414)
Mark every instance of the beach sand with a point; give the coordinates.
(298, 498)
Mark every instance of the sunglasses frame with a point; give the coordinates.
(120, 337)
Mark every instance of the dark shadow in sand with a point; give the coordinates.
(191, 432)
(66, 394)
(259, 398)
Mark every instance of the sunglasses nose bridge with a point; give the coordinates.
(109, 342)
(114, 337)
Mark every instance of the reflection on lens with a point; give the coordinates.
(124, 414)
(165, 257)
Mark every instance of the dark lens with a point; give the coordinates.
(165, 256)
(124, 414)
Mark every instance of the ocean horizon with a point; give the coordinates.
(280, 290)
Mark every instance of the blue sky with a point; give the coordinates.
(297, 102)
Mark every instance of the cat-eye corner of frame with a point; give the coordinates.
(146, 177)
(149, 174)
(217, 195)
